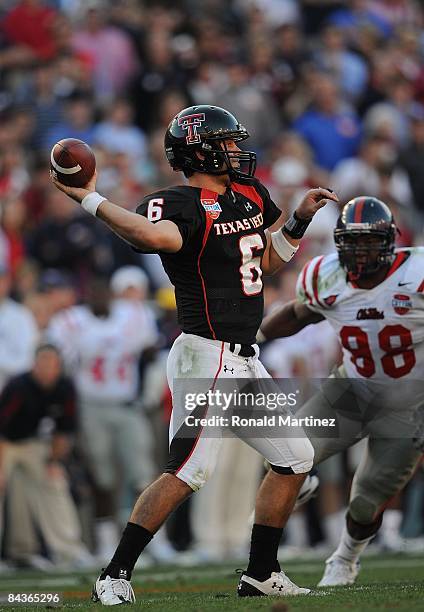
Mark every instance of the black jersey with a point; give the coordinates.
(217, 273)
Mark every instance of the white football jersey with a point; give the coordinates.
(102, 353)
(381, 330)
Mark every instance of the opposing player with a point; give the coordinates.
(212, 239)
(373, 296)
(101, 343)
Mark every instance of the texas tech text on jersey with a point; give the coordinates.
(217, 274)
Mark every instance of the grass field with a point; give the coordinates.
(386, 582)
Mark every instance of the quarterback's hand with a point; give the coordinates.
(76, 193)
(313, 200)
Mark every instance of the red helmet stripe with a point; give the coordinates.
(358, 210)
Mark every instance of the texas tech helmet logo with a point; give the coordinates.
(191, 123)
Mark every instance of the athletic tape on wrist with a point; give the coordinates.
(92, 201)
(282, 246)
(296, 227)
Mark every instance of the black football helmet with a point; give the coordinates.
(365, 216)
(204, 129)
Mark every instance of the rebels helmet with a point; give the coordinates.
(365, 216)
(204, 129)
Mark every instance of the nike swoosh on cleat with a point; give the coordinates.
(403, 284)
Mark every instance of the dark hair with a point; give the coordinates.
(47, 346)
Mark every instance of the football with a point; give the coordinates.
(72, 162)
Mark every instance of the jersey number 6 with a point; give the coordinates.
(250, 269)
(154, 209)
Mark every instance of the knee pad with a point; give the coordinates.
(360, 531)
(363, 510)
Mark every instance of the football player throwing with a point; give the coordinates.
(211, 235)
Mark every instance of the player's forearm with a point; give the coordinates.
(288, 320)
(133, 228)
(275, 262)
(281, 323)
(139, 231)
(272, 261)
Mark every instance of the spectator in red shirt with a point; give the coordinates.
(30, 24)
(13, 223)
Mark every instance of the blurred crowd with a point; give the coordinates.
(332, 94)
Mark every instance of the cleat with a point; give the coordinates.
(339, 572)
(113, 591)
(278, 584)
(307, 491)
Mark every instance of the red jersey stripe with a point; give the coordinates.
(315, 281)
(250, 193)
(206, 194)
(399, 259)
(305, 271)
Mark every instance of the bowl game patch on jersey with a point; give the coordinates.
(402, 304)
(212, 208)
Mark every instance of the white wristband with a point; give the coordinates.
(282, 246)
(260, 337)
(92, 201)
